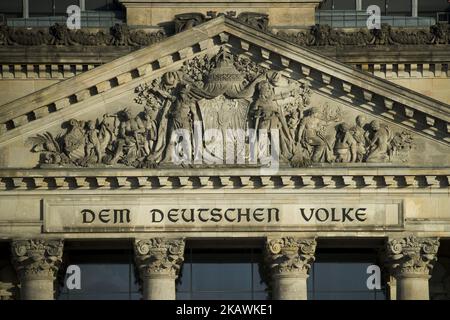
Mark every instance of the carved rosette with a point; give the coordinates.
(159, 256)
(37, 259)
(412, 255)
(290, 255)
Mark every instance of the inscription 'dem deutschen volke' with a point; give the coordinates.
(114, 216)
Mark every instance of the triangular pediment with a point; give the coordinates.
(327, 112)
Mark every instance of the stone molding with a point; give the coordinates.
(365, 179)
(412, 256)
(159, 257)
(290, 256)
(43, 71)
(37, 259)
(407, 70)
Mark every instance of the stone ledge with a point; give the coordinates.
(153, 180)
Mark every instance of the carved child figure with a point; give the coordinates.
(360, 136)
(346, 145)
(379, 142)
(93, 147)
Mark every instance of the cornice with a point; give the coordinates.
(339, 179)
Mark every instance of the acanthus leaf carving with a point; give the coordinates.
(159, 256)
(412, 255)
(37, 258)
(289, 255)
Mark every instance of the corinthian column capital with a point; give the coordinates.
(412, 256)
(37, 259)
(289, 255)
(159, 256)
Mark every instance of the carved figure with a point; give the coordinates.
(346, 145)
(186, 21)
(221, 92)
(360, 136)
(314, 137)
(379, 142)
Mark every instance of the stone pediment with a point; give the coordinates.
(224, 81)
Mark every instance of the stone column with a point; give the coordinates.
(82, 5)
(414, 8)
(358, 5)
(25, 9)
(37, 262)
(289, 260)
(159, 261)
(411, 260)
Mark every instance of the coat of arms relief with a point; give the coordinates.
(223, 110)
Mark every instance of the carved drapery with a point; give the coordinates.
(412, 255)
(221, 104)
(37, 259)
(159, 257)
(290, 256)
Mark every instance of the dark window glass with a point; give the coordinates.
(221, 274)
(104, 276)
(11, 8)
(380, 3)
(399, 8)
(429, 8)
(62, 5)
(42, 8)
(342, 276)
(344, 5)
(102, 5)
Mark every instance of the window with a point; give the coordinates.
(429, 8)
(221, 275)
(342, 276)
(380, 3)
(102, 5)
(11, 8)
(104, 276)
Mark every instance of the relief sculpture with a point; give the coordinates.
(213, 110)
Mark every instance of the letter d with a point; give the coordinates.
(155, 213)
(88, 216)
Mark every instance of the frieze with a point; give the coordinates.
(324, 35)
(60, 35)
(223, 110)
(108, 215)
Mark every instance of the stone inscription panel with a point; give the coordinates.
(87, 215)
